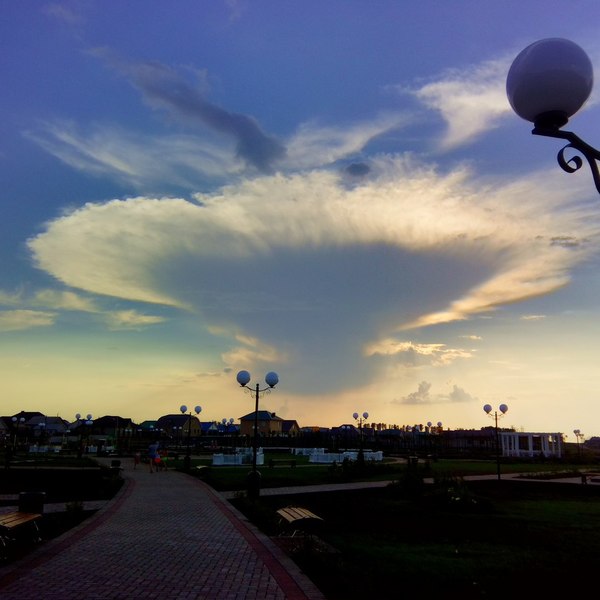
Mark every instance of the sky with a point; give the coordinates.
(337, 191)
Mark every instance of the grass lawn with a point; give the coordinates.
(484, 539)
(234, 478)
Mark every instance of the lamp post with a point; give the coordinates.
(87, 421)
(17, 421)
(188, 459)
(227, 424)
(488, 411)
(548, 82)
(579, 437)
(42, 432)
(271, 379)
(436, 430)
(360, 419)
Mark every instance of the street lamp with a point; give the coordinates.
(188, 459)
(548, 82)
(42, 432)
(360, 419)
(436, 430)
(579, 437)
(488, 411)
(227, 424)
(271, 379)
(87, 421)
(17, 421)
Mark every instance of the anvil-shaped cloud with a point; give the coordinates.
(319, 264)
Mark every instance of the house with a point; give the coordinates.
(269, 424)
(48, 427)
(290, 428)
(179, 425)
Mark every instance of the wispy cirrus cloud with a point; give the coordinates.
(146, 161)
(131, 319)
(137, 159)
(471, 101)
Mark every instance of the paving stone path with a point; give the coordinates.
(165, 536)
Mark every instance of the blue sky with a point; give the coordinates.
(337, 191)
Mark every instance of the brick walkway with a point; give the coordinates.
(164, 536)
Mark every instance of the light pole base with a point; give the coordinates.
(253, 483)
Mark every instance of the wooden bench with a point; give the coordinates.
(282, 461)
(298, 519)
(12, 527)
(593, 477)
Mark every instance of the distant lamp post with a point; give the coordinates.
(271, 379)
(435, 430)
(360, 419)
(503, 408)
(579, 436)
(187, 462)
(42, 432)
(87, 422)
(17, 421)
(227, 425)
(548, 82)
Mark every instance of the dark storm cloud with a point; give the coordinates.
(165, 88)
(358, 169)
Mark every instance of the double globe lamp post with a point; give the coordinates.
(488, 411)
(187, 461)
(271, 379)
(88, 422)
(360, 419)
(579, 437)
(548, 82)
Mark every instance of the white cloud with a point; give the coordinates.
(458, 394)
(414, 353)
(314, 145)
(471, 101)
(130, 319)
(143, 160)
(405, 247)
(63, 300)
(15, 320)
(140, 160)
(421, 396)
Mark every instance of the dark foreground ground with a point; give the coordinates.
(476, 540)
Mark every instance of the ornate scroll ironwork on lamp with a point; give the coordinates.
(271, 379)
(548, 82)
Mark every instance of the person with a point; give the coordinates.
(152, 456)
(137, 457)
(163, 455)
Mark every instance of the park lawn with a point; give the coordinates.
(477, 540)
(234, 478)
